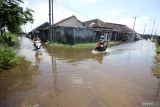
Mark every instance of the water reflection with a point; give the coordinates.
(99, 57)
(38, 57)
(19, 79)
(73, 55)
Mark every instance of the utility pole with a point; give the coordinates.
(134, 22)
(144, 29)
(50, 32)
(153, 26)
(49, 12)
(52, 21)
(134, 33)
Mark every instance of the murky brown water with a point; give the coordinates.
(77, 78)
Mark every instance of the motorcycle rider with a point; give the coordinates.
(100, 45)
(36, 38)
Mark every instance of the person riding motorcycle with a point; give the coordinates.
(35, 40)
(100, 46)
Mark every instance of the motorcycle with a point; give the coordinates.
(37, 44)
(102, 47)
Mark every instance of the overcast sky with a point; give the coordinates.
(114, 11)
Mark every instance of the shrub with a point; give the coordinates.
(9, 39)
(158, 49)
(14, 38)
(8, 57)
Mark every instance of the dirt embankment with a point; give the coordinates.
(157, 66)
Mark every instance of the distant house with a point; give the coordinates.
(109, 31)
(70, 31)
(127, 33)
(36, 31)
(102, 29)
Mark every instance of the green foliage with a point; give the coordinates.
(14, 38)
(13, 16)
(158, 49)
(8, 57)
(10, 39)
(156, 70)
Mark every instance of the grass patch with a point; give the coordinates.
(82, 45)
(79, 45)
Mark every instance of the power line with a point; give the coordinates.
(76, 10)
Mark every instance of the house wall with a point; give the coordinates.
(44, 35)
(69, 35)
(116, 36)
(83, 35)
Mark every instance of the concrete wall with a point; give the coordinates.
(71, 35)
(68, 35)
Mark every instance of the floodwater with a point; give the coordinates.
(67, 77)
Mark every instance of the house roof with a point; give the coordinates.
(119, 27)
(56, 24)
(72, 24)
(94, 23)
(113, 26)
(99, 25)
(127, 29)
(42, 26)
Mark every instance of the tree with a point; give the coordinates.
(12, 16)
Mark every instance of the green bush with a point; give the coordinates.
(158, 49)
(8, 57)
(14, 38)
(9, 39)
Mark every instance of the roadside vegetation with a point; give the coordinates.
(157, 66)
(13, 16)
(8, 57)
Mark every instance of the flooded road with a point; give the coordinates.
(67, 77)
